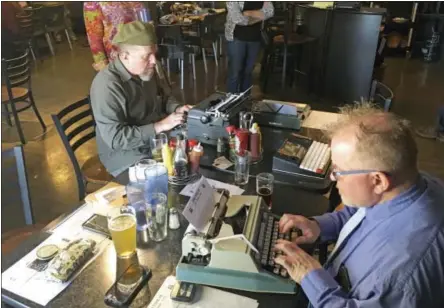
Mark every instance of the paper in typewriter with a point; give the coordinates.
(205, 298)
(200, 207)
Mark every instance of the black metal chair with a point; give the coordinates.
(206, 37)
(289, 45)
(12, 170)
(32, 26)
(54, 19)
(171, 47)
(17, 75)
(381, 95)
(77, 128)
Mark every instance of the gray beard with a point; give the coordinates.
(147, 76)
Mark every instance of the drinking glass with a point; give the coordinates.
(156, 146)
(136, 199)
(140, 168)
(156, 180)
(242, 167)
(157, 216)
(122, 226)
(264, 187)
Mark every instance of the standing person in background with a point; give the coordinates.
(243, 33)
(101, 22)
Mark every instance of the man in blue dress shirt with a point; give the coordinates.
(390, 235)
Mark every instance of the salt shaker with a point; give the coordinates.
(174, 222)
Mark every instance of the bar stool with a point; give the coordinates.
(17, 73)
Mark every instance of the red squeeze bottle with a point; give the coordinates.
(255, 142)
(242, 140)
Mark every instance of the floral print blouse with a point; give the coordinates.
(101, 22)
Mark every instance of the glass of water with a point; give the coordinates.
(156, 146)
(242, 168)
(136, 200)
(140, 168)
(156, 180)
(157, 216)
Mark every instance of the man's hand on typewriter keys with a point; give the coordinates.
(309, 228)
(169, 122)
(296, 261)
(184, 108)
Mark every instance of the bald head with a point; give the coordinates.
(371, 139)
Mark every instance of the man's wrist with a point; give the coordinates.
(158, 127)
(318, 240)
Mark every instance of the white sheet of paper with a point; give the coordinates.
(191, 188)
(34, 285)
(200, 207)
(209, 298)
(320, 119)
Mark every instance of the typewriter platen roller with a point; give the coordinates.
(235, 251)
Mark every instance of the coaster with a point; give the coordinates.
(47, 252)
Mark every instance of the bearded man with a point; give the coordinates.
(130, 103)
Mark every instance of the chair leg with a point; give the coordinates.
(8, 115)
(32, 52)
(37, 113)
(215, 53)
(168, 69)
(220, 45)
(68, 38)
(204, 60)
(181, 72)
(284, 67)
(17, 123)
(193, 59)
(48, 40)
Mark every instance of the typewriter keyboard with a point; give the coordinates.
(317, 158)
(268, 235)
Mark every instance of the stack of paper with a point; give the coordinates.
(205, 298)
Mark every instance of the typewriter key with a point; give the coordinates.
(276, 270)
(284, 273)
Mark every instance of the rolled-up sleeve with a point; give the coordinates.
(108, 104)
(332, 223)
(268, 10)
(234, 14)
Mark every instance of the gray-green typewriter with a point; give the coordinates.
(235, 248)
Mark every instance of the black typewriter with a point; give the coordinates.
(268, 235)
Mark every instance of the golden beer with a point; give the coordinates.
(123, 233)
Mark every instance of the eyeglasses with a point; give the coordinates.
(335, 174)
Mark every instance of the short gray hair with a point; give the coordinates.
(384, 140)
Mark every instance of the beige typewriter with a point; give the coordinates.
(234, 250)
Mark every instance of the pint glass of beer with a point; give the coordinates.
(122, 226)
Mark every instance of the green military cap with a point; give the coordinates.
(135, 33)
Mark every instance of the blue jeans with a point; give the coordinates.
(241, 58)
